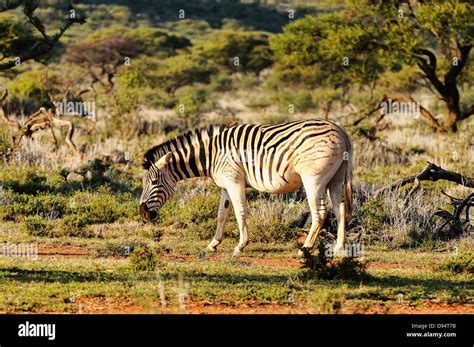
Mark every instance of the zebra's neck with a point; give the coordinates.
(192, 153)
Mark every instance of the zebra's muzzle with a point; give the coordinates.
(146, 214)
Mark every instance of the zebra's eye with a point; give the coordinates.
(154, 182)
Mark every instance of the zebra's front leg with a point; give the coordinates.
(222, 215)
(236, 193)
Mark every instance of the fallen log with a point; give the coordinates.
(452, 224)
(433, 173)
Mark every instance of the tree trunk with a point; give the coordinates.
(451, 121)
(451, 97)
(447, 88)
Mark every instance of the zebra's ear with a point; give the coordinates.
(164, 160)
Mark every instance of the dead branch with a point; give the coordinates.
(457, 226)
(424, 113)
(14, 124)
(431, 173)
(42, 119)
(366, 114)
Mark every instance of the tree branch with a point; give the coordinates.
(47, 43)
(429, 69)
(467, 113)
(455, 70)
(10, 122)
(431, 173)
(10, 5)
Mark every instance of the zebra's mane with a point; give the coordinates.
(154, 153)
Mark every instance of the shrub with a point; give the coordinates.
(195, 212)
(221, 83)
(143, 259)
(191, 104)
(151, 232)
(327, 302)
(396, 220)
(74, 225)
(342, 268)
(5, 140)
(37, 226)
(103, 206)
(461, 262)
(28, 179)
(301, 101)
(178, 71)
(373, 214)
(200, 216)
(252, 49)
(19, 206)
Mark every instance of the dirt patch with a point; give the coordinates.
(375, 265)
(128, 305)
(249, 307)
(106, 305)
(425, 307)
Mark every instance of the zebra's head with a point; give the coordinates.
(158, 185)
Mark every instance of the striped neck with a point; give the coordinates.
(192, 153)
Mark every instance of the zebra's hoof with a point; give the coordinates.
(339, 251)
(303, 251)
(212, 247)
(236, 253)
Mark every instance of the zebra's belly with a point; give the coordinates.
(278, 185)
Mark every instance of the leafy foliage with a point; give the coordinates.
(360, 44)
(16, 37)
(178, 71)
(239, 51)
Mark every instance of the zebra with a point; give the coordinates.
(315, 154)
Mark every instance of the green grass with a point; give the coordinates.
(59, 285)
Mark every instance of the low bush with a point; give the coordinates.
(103, 206)
(143, 258)
(461, 262)
(330, 268)
(74, 225)
(37, 226)
(151, 232)
(18, 206)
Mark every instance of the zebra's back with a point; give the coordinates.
(273, 158)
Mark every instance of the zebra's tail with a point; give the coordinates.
(348, 199)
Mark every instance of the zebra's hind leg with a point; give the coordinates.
(336, 193)
(315, 193)
(222, 215)
(236, 193)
